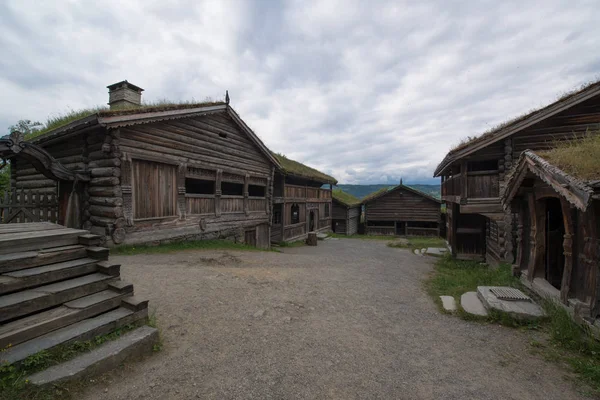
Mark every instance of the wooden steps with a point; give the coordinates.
(57, 287)
(32, 277)
(28, 301)
(27, 328)
(79, 331)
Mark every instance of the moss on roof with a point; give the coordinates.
(579, 158)
(58, 120)
(376, 193)
(470, 140)
(345, 198)
(296, 168)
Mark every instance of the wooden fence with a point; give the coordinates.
(28, 206)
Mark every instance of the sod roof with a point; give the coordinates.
(513, 125)
(578, 158)
(295, 168)
(345, 198)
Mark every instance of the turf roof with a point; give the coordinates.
(376, 193)
(578, 158)
(345, 198)
(295, 168)
(504, 125)
(60, 120)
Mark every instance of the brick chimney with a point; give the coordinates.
(124, 95)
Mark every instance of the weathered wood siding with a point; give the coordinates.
(353, 220)
(208, 148)
(402, 205)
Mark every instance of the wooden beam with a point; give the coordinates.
(565, 286)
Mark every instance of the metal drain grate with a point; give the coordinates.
(509, 294)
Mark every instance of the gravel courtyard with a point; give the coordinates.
(348, 319)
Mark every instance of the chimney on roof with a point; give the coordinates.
(124, 95)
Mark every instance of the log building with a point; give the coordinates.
(183, 171)
(474, 174)
(555, 198)
(346, 213)
(402, 211)
(301, 201)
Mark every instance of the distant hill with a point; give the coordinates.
(361, 191)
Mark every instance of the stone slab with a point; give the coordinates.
(436, 251)
(106, 357)
(472, 305)
(449, 303)
(521, 309)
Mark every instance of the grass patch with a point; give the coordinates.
(454, 277)
(366, 237)
(578, 157)
(297, 243)
(345, 198)
(128, 250)
(13, 378)
(419, 242)
(566, 341)
(298, 169)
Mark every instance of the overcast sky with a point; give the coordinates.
(368, 91)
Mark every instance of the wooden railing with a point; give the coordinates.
(479, 184)
(28, 206)
(200, 204)
(305, 192)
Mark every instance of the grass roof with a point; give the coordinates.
(579, 158)
(469, 140)
(375, 194)
(345, 198)
(58, 120)
(296, 168)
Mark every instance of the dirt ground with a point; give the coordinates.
(348, 319)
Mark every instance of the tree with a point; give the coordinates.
(27, 127)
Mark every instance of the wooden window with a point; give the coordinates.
(295, 215)
(232, 189)
(199, 186)
(276, 216)
(326, 210)
(256, 191)
(154, 189)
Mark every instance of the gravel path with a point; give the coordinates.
(348, 319)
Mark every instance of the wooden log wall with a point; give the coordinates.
(403, 205)
(209, 147)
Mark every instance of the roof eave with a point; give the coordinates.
(536, 117)
(68, 129)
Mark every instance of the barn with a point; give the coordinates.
(301, 201)
(401, 210)
(346, 213)
(172, 171)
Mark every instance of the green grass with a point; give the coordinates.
(181, 246)
(345, 198)
(578, 157)
(357, 236)
(298, 169)
(13, 378)
(297, 243)
(565, 341)
(420, 242)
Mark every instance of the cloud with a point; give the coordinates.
(368, 93)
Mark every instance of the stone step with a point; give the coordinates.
(37, 240)
(132, 345)
(35, 258)
(37, 276)
(471, 304)
(31, 300)
(77, 332)
(24, 329)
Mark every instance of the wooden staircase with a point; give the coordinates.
(58, 287)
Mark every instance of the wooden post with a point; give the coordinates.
(565, 285)
(454, 228)
(537, 237)
(126, 179)
(181, 171)
(246, 194)
(520, 240)
(218, 193)
(463, 182)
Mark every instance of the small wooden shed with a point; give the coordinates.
(557, 213)
(346, 213)
(402, 210)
